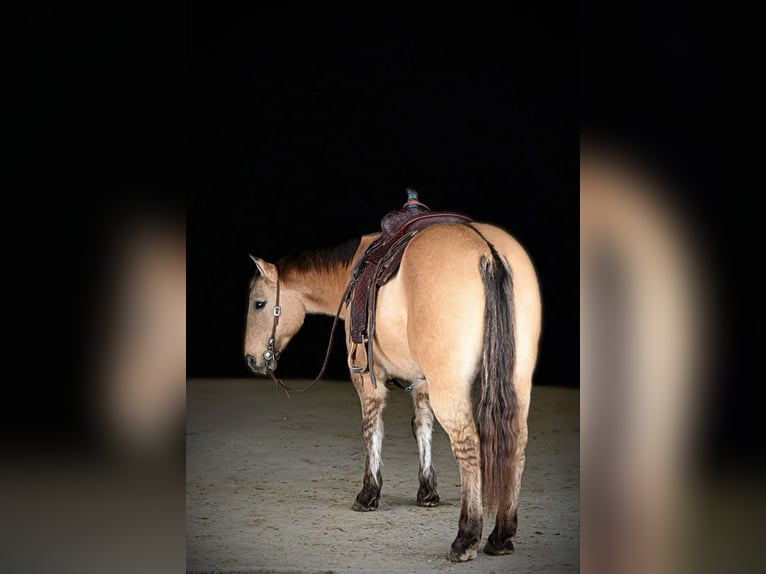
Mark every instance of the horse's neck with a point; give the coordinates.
(321, 291)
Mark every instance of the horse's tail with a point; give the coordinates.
(497, 402)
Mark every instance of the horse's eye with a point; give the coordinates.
(259, 305)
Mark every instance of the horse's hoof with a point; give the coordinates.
(429, 500)
(368, 507)
(495, 550)
(368, 498)
(465, 556)
(463, 550)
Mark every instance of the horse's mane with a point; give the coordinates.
(322, 258)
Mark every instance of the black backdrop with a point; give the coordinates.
(299, 135)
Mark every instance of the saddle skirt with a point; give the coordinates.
(379, 263)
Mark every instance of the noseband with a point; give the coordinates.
(270, 354)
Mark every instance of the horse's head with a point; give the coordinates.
(261, 353)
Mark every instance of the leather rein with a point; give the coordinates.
(271, 355)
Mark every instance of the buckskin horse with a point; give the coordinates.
(439, 302)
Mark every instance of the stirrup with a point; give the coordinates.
(356, 369)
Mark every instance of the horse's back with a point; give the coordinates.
(438, 298)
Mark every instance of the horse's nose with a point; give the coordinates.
(251, 362)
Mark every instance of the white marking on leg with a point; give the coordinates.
(424, 424)
(424, 431)
(375, 448)
(475, 496)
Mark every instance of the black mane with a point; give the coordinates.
(323, 258)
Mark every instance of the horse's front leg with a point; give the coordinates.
(422, 429)
(372, 401)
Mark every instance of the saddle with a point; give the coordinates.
(379, 263)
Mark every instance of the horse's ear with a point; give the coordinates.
(264, 268)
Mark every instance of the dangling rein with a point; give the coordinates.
(272, 355)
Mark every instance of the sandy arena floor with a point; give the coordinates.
(270, 483)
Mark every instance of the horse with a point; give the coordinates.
(463, 308)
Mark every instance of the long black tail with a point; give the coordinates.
(497, 402)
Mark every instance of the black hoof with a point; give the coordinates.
(461, 552)
(496, 548)
(428, 497)
(364, 503)
(369, 497)
(499, 541)
(373, 505)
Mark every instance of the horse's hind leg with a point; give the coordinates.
(506, 523)
(451, 403)
(372, 402)
(422, 429)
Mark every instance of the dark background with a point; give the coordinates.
(300, 135)
(262, 120)
(676, 86)
(92, 120)
(286, 118)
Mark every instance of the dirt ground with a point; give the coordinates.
(271, 480)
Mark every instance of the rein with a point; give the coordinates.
(272, 356)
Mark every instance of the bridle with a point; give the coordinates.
(271, 355)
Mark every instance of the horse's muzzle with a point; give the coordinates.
(252, 364)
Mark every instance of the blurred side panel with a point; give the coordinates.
(645, 359)
(93, 290)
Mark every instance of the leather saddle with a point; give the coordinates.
(379, 263)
